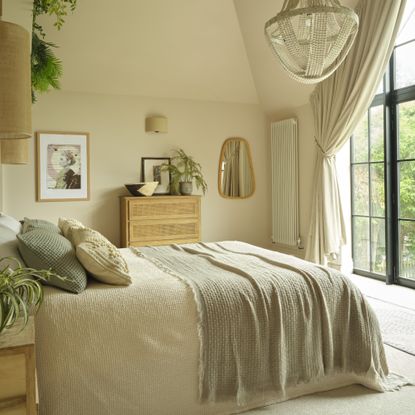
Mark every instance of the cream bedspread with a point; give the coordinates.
(135, 350)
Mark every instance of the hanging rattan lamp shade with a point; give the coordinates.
(14, 151)
(15, 82)
(311, 38)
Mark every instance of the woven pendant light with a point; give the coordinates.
(14, 151)
(15, 81)
(311, 38)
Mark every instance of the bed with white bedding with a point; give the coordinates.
(160, 346)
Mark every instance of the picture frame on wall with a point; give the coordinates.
(151, 172)
(62, 166)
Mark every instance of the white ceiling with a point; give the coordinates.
(189, 49)
(276, 90)
(192, 49)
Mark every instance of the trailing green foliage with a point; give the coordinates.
(184, 169)
(20, 292)
(57, 8)
(46, 67)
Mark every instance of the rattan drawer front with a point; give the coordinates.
(162, 230)
(12, 376)
(156, 209)
(159, 220)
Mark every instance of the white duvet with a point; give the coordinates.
(128, 350)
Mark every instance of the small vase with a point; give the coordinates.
(186, 188)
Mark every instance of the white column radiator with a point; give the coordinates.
(284, 161)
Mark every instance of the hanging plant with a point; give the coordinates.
(46, 66)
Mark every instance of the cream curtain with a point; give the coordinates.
(338, 104)
(245, 174)
(231, 169)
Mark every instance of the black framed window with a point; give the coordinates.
(383, 170)
(368, 193)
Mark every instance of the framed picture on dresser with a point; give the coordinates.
(62, 166)
(151, 171)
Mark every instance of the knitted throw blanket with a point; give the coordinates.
(268, 321)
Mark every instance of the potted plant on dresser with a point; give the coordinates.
(184, 170)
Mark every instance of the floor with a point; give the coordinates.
(357, 399)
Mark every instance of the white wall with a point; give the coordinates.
(118, 141)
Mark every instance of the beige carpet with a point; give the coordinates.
(357, 400)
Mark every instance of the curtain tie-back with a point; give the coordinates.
(324, 153)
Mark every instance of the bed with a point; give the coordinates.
(153, 347)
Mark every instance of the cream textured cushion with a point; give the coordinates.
(9, 247)
(10, 222)
(66, 225)
(100, 257)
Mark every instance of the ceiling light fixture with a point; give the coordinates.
(14, 151)
(311, 38)
(15, 81)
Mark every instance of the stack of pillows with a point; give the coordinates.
(72, 251)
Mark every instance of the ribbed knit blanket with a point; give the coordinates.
(271, 322)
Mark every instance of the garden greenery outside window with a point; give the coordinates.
(383, 170)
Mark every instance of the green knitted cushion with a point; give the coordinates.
(42, 249)
(32, 224)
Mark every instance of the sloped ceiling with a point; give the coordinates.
(189, 49)
(276, 90)
(211, 50)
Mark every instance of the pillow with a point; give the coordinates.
(9, 248)
(42, 249)
(11, 223)
(31, 224)
(100, 257)
(66, 225)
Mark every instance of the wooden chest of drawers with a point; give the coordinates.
(17, 371)
(159, 220)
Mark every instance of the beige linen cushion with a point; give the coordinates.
(66, 225)
(100, 257)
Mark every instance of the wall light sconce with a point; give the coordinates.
(15, 81)
(156, 125)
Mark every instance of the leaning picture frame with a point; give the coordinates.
(151, 172)
(62, 166)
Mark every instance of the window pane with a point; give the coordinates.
(378, 246)
(407, 249)
(380, 89)
(406, 130)
(361, 189)
(377, 184)
(361, 243)
(405, 68)
(407, 29)
(407, 190)
(376, 133)
(360, 142)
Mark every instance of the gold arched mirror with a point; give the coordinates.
(236, 178)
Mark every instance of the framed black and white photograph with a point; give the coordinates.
(62, 170)
(151, 171)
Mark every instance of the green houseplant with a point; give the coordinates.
(20, 292)
(46, 67)
(183, 170)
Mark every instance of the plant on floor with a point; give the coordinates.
(20, 292)
(46, 67)
(183, 170)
